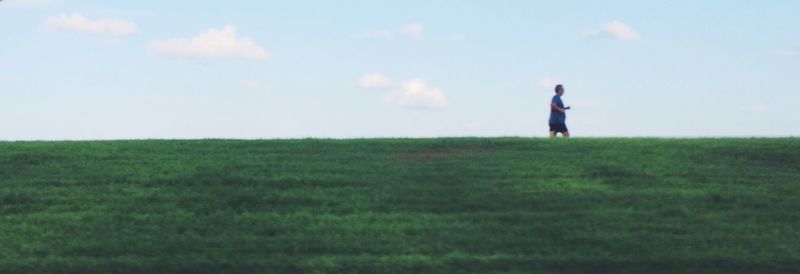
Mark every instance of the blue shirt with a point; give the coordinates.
(557, 117)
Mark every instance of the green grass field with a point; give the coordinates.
(456, 205)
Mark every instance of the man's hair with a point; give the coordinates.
(559, 86)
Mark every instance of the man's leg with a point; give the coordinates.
(566, 134)
(552, 134)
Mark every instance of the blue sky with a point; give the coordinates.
(72, 69)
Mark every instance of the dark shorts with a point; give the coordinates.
(558, 128)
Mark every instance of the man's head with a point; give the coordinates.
(560, 89)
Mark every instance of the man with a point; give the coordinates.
(558, 114)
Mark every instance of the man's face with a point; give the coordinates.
(560, 91)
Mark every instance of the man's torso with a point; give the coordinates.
(557, 117)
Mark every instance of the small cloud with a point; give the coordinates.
(374, 81)
(615, 30)
(621, 31)
(786, 53)
(413, 31)
(548, 83)
(32, 3)
(81, 24)
(214, 43)
(417, 94)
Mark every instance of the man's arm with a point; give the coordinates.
(553, 105)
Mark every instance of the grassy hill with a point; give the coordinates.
(476, 205)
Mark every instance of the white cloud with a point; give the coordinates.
(413, 31)
(414, 93)
(214, 43)
(81, 24)
(374, 81)
(621, 31)
(37, 3)
(417, 94)
(616, 30)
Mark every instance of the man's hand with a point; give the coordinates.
(568, 108)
